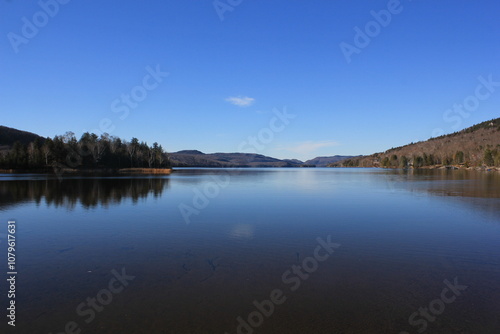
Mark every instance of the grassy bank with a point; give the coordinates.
(156, 171)
(96, 171)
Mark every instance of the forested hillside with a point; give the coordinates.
(8, 136)
(325, 161)
(476, 146)
(193, 158)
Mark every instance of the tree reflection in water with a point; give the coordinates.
(88, 192)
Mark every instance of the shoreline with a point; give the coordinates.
(167, 171)
(434, 167)
(97, 171)
(451, 167)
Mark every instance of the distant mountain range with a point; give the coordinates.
(476, 146)
(193, 158)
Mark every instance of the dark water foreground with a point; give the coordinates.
(255, 251)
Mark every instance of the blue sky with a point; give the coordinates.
(231, 68)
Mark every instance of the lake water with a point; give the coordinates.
(255, 251)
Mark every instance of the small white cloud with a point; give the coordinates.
(311, 146)
(241, 101)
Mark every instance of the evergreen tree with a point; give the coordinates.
(488, 158)
(459, 157)
(403, 162)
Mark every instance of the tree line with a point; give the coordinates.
(490, 158)
(88, 152)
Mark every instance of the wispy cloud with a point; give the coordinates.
(241, 101)
(311, 146)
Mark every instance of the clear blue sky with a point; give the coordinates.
(226, 76)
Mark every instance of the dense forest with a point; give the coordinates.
(476, 146)
(88, 152)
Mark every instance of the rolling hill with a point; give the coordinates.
(8, 136)
(476, 146)
(325, 161)
(193, 158)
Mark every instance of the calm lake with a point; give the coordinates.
(314, 250)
